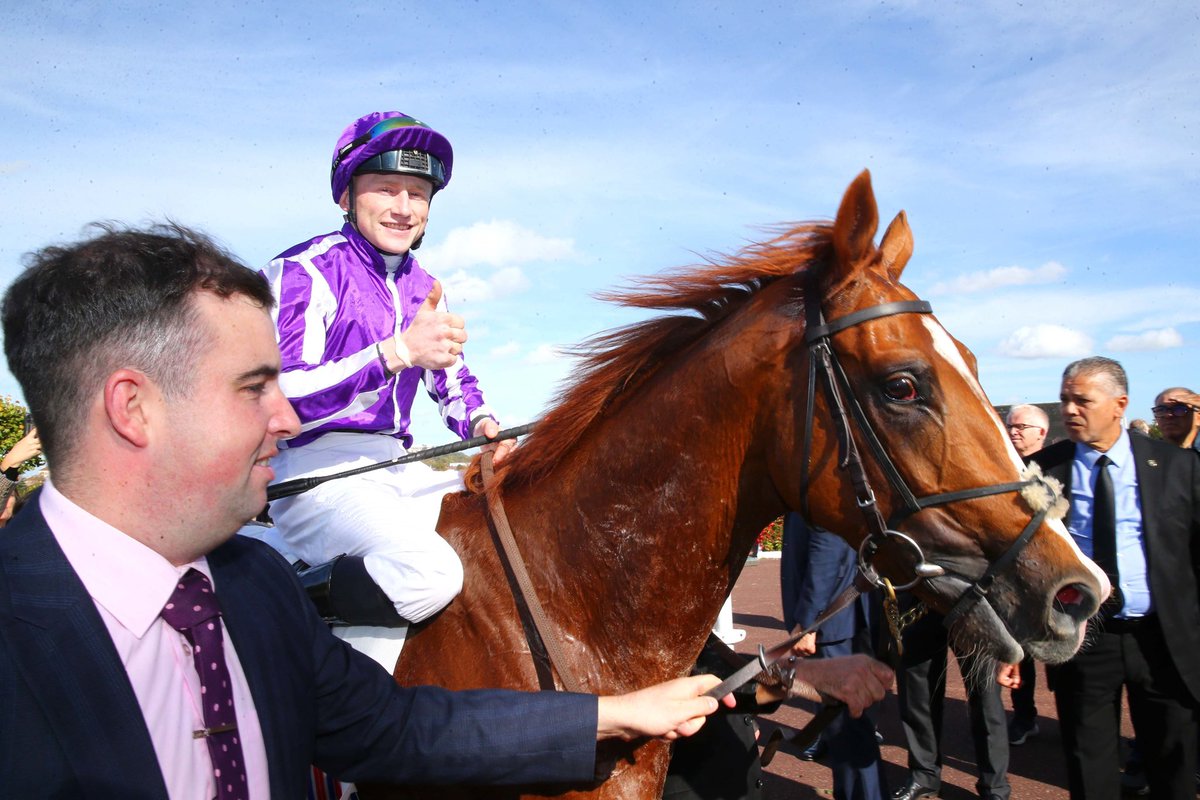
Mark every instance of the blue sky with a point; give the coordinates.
(1046, 154)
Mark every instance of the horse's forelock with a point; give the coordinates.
(614, 362)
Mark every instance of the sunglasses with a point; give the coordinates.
(1021, 427)
(381, 127)
(1173, 410)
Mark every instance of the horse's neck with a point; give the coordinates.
(657, 509)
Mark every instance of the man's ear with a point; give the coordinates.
(126, 396)
(344, 202)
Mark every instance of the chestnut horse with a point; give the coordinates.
(637, 498)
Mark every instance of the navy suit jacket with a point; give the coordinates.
(815, 567)
(70, 724)
(1169, 491)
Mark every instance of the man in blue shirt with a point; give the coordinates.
(1134, 509)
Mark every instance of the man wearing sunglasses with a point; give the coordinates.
(1175, 412)
(362, 326)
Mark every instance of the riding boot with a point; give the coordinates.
(345, 594)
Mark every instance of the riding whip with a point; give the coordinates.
(300, 485)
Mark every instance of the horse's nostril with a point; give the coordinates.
(1069, 596)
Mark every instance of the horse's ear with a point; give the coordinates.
(897, 246)
(854, 229)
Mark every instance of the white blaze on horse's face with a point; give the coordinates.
(945, 347)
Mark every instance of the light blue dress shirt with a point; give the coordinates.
(1131, 542)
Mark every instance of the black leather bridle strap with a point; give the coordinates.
(825, 330)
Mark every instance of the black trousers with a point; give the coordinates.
(1023, 703)
(922, 694)
(1087, 692)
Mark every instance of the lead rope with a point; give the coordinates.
(509, 544)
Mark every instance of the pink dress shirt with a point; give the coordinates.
(129, 584)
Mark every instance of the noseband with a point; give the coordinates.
(822, 359)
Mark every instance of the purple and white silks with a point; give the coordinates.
(336, 299)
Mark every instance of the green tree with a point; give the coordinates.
(12, 429)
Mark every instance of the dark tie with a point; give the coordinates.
(193, 611)
(1104, 533)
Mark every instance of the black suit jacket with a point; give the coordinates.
(1169, 491)
(70, 724)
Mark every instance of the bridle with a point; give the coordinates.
(839, 393)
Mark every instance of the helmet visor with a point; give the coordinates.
(408, 162)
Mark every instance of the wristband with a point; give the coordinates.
(402, 352)
(13, 473)
(382, 358)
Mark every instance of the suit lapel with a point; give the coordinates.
(1150, 478)
(63, 652)
(241, 597)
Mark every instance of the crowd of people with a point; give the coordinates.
(128, 344)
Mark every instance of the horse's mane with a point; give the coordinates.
(613, 362)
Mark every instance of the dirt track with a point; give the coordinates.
(1036, 768)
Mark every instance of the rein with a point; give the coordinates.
(823, 357)
(537, 619)
(823, 362)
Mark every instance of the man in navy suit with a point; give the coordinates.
(816, 566)
(1135, 510)
(148, 359)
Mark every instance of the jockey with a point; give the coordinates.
(360, 326)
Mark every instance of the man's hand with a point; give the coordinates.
(488, 427)
(806, 646)
(859, 681)
(433, 340)
(665, 711)
(28, 447)
(1009, 675)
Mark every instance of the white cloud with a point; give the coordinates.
(1046, 341)
(498, 243)
(462, 287)
(1001, 277)
(1161, 339)
(545, 354)
(505, 350)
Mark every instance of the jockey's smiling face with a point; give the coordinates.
(390, 209)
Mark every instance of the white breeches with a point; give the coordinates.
(388, 516)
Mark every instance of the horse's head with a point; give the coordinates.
(907, 394)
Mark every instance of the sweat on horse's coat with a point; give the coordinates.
(636, 499)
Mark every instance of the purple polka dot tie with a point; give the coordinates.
(193, 611)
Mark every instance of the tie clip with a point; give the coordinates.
(205, 732)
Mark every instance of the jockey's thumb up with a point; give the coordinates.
(434, 339)
(434, 297)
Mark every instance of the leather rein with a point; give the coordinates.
(843, 405)
(840, 396)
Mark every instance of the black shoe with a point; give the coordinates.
(815, 751)
(1020, 731)
(914, 791)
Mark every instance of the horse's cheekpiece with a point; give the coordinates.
(823, 357)
(695, 398)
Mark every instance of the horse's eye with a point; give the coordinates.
(901, 388)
